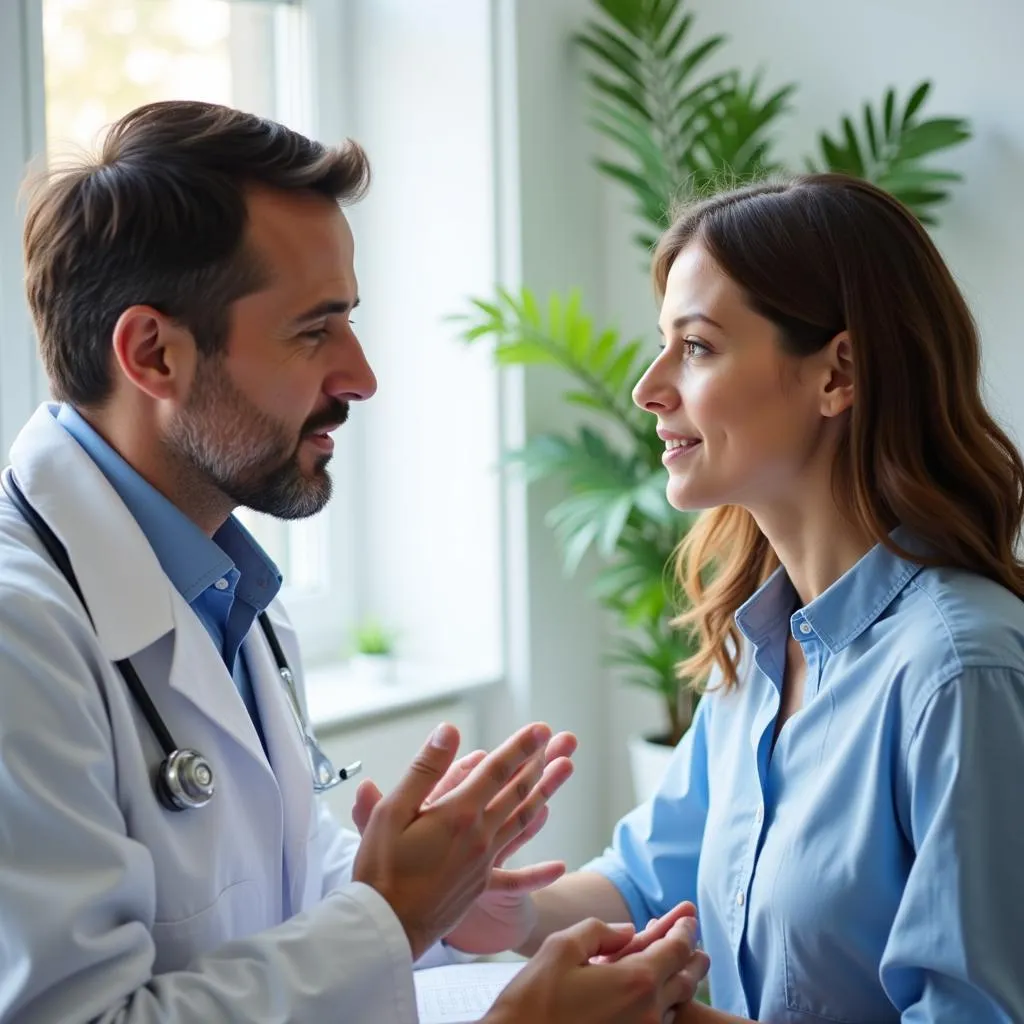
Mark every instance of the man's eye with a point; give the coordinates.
(318, 334)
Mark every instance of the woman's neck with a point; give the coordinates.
(815, 543)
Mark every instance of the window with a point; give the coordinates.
(101, 58)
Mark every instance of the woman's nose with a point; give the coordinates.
(654, 392)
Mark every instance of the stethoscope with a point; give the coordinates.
(184, 779)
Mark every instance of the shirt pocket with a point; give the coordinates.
(235, 913)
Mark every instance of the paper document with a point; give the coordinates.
(461, 993)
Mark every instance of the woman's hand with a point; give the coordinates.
(562, 983)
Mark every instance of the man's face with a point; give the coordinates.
(258, 414)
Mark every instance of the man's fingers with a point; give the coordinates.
(427, 769)
(367, 797)
(496, 770)
(528, 879)
(562, 744)
(524, 837)
(455, 775)
(555, 775)
(518, 790)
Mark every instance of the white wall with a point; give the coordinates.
(841, 55)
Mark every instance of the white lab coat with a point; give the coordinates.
(112, 908)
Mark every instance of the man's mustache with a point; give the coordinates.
(333, 416)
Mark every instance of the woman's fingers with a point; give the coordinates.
(527, 879)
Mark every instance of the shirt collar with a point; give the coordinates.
(191, 560)
(848, 607)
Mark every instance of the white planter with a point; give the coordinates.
(373, 669)
(647, 761)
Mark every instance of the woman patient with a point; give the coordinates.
(845, 810)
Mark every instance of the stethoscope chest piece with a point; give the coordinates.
(184, 781)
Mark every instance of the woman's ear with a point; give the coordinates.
(837, 393)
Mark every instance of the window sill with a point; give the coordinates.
(339, 697)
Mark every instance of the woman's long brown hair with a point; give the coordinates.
(818, 255)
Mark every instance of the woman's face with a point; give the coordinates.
(744, 423)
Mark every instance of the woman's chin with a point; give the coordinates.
(686, 498)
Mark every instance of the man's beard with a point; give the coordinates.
(246, 454)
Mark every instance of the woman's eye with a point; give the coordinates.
(693, 347)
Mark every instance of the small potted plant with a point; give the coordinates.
(373, 657)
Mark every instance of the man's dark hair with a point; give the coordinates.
(159, 219)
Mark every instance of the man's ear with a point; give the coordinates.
(154, 353)
(838, 391)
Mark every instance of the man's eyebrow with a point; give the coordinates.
(327, 308)
(682, 321)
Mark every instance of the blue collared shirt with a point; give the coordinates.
(870, 868)
(227, 580)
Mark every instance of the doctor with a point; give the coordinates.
(163, 853)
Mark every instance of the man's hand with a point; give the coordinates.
(503, 916)
(561, 983)
(430, 862)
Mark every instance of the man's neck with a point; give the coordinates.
(138, 443)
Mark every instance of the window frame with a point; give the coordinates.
(322, 616)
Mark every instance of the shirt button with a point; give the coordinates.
(221, 584)
(740, 899)
(759, 816)
(805, 628)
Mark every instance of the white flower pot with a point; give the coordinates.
(647, 761)
(373, 669)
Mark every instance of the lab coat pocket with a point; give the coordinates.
(235, 913)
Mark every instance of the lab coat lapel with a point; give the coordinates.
(287, 757)
(198, 673)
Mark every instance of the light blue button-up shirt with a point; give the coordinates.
(227, 581)
(870, 868)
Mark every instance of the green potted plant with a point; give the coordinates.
(373, 657)
(675, 131)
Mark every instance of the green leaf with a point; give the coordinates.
(626, 12)
(890, 105)
(929, 136)
(631, 100)
(652, 205)
(676, 38)
(585, 399)
(477, 332)
(853, 149)
(522, 353)
(660, 14)
(872, 133)
(917, 98)
(487, 307)
(619, 371)
(615, 53)
(915, 198)
(614, 522)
